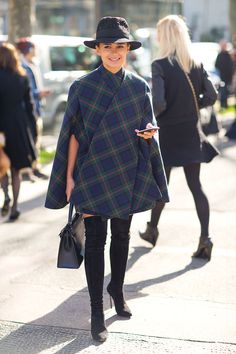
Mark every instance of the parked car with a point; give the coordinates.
(62, 60)
(146, 54)
(206, 53)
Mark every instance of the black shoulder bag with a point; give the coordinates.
(208, 151)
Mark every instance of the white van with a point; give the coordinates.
(62, 60)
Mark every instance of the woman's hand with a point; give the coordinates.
(2, 139)
(70, 184)
(147, 135)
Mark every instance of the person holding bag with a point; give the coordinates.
(16, 122)
(105, 165)
(180, 87)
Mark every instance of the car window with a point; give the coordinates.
(206, 53)
(71, 58)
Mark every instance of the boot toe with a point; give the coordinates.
(98, 329)
(124, 312)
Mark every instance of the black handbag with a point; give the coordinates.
(71, 247)
(212, 126)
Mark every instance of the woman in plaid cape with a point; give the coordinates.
(104, 165)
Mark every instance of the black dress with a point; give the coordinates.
(17, 119)
(182, 141)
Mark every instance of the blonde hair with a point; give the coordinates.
(9, 59)
(174, 41)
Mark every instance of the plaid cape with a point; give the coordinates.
(116, 172)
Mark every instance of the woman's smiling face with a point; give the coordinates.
(113, 55)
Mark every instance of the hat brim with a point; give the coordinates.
(93, 43)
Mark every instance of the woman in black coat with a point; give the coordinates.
(174, 77)
(17, 122)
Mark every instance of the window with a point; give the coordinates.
(71, 58)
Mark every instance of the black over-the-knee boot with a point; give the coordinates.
(95, 239)
(118, 256)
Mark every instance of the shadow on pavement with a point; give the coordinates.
(194, 264)
(33, 203)
(33, 343)
(28, 205)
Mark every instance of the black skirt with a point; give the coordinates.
(20, 145)
(184, 143)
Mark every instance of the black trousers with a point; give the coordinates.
(95, 240)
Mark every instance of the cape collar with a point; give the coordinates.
(112, 80)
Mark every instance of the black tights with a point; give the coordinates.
(15, 182)
(95, 239)
(192, 175)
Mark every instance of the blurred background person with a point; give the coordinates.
(231, 131)
(224, 64)
(17, 122)
(233, 57)
(29, 62)
(181, 141)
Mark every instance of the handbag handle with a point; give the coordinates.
(193, 92)
(202, 135)
(70, 213)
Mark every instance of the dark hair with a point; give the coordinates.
(9, 59)
(24, 45)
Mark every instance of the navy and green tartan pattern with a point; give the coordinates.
(116, 173)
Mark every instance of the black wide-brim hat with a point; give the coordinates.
(113, 30)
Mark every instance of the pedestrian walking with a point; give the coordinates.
(105, 167)
(224, 64)
(29, 62)
(179, 85)
(231, 131)
(233, 57)
(17, 122)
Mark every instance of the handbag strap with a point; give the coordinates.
(70, 213)
(193, 92)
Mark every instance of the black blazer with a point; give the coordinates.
(173, 99)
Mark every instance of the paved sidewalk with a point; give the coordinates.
(179, 304)
(33, 339)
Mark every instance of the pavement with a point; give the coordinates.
(179, 304)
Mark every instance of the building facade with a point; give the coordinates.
(79, 17)
(3, 16)
(207, 19)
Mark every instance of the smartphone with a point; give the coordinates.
(148, 130)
